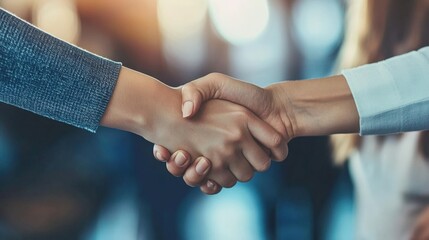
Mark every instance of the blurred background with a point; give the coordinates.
(58, 182)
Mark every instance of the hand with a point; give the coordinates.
(266, 103)
(177, 165)
(263, 102)
(224, 133)
(294, 108)
(228, 134)
(421, 230)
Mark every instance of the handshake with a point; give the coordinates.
(217, 130)
(238, 140)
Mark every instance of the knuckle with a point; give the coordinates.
(188, 87)
(264, 166)
(282, 154)
(191, 91)
(276, 140)
(190, 181)
(220, 166)
(246, 176)
(230, 183)
(173, 170)
(243, 115)
(223, 152)
(214, 75)
(236, 136)
(285, 152)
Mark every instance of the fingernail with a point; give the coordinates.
(180, 159)
(210, 184)
(159, 156)
(187, 109)
(202, 166)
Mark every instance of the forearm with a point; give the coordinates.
(318, 107)
(387, 97)
(52, 78)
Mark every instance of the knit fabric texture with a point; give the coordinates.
(52, 78)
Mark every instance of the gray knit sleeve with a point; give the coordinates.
(52, 78)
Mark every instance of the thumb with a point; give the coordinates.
(196, 92)
(220, 86)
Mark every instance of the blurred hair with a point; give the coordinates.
(380, 29)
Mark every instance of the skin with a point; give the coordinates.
(421, 229)
(295, 108)
(233, 138)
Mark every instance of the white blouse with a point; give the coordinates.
(392, 186)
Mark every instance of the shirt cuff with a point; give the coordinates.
(392, 96)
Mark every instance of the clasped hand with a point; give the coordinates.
(252, 134)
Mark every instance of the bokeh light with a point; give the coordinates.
(318, 26)
(18, 7)
(262, 61)
(239, 21)
(180, 19)
(182, 28)
(231, 215)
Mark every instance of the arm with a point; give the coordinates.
(227, 134)
(296, 108)
(54, 79)
(386, 97)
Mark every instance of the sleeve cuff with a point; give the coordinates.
(392, 96)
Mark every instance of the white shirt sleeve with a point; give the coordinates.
(393, 95)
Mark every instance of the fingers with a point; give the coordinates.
(197, 172)
(243, 171)
(195, 93)
(268, 137)
(178, 163)
(161, 153)
(210, 187)
(220, 86)
(256, 157)
(224, 177)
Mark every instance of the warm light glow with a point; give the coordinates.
(180, 19)
(59, 18)
(239, 21)
(19, 7)
(262, 61)
(182, 25)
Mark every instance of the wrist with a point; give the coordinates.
(138, 103)
(165, 116)
(282, 108)
(321, 106)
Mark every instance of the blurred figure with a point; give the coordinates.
(390, 173)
